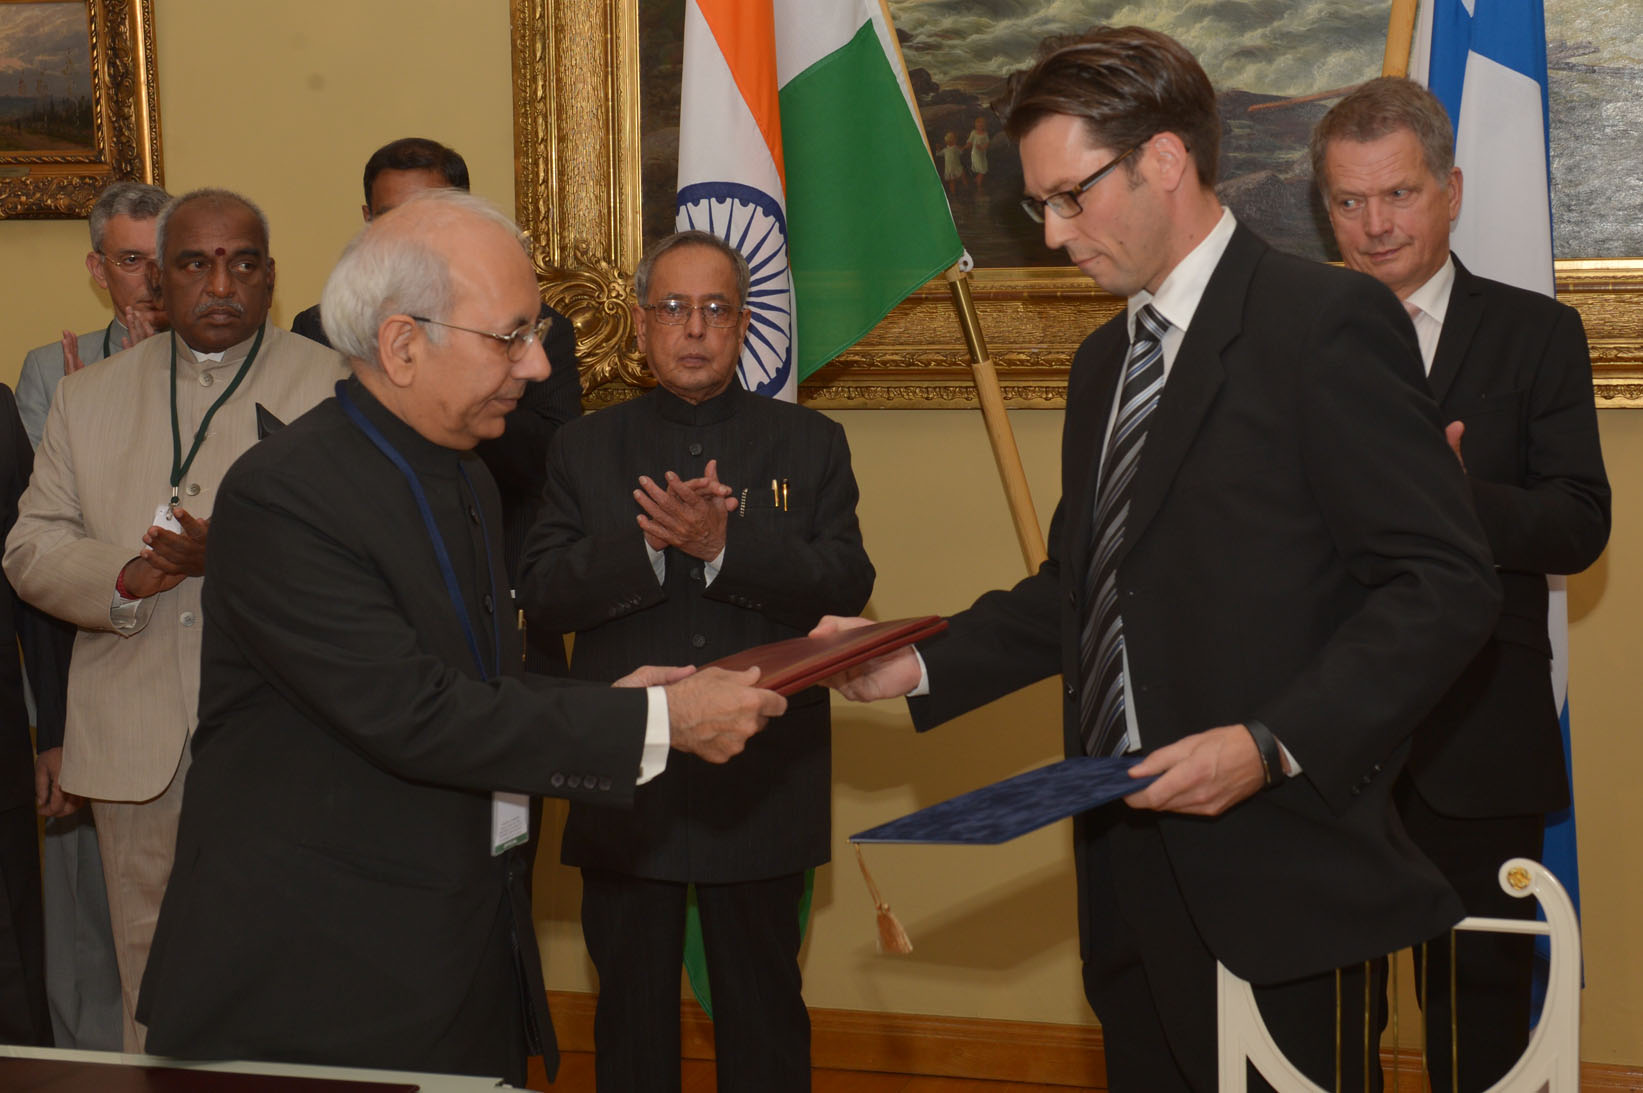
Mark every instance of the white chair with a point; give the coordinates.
(1552, 1059)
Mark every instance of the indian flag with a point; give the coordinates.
(799, 142)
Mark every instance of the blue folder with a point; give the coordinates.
(1009, 809)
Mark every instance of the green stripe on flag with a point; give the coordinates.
(867, 218)
(696, 951)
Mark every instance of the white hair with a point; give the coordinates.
(387, 270)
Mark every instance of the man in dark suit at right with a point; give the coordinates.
(1513, 382)
(1263, 572)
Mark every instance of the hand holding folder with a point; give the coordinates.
(788, 667)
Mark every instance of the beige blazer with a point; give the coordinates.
(103, 466)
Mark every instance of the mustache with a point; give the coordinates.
(219, 305)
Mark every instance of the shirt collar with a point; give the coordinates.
(721, 407)
(234, 354)
(1433, 296)
(1177, 298)
(418, 450)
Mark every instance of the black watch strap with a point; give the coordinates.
(1272, 756)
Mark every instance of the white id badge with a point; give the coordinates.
(163, 518)
(510, 821)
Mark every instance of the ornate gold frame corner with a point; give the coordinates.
(577, 170)
(126, 123)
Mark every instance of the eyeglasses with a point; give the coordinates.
(130, 261)
(1065, 204)
(516, 344)
(676, 312)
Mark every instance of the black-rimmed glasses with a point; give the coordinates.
(516, 344)
(1065, 204)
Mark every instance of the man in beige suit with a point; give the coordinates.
(111, 534)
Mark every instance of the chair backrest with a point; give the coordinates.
(1552, 1059)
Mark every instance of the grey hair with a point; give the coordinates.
(1381, 107)
(138, 200)
(209, 193)
(641, 276)
(387, 271)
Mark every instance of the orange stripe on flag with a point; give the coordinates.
(746, 33)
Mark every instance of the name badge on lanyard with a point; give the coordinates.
(510, 812)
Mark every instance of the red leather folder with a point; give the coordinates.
(788, 667)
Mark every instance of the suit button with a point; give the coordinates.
(490, 604)
(556, 780)
(590, 781)
(207, 379)
(604, 783)
(695, 572)
(697, 641)
(193, 489)
(694, 449)
(573, 781)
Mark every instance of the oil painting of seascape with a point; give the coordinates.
(1277, 66)
(1594, 57)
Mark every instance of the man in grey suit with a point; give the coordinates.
(82, 979)
(121, 256)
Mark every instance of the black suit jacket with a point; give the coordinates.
(1513, 366)
(517, 459)
(45, 641)
(766, 812)
(334, 898)
(1299, 550)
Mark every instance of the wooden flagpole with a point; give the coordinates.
(1005, 452)
(1400, 36)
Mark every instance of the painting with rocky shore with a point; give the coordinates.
(1277, 66)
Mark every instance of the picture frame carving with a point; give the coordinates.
(577, 162)
(125, 123)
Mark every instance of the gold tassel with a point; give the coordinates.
(892, 938)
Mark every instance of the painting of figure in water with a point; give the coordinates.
(1277, 66)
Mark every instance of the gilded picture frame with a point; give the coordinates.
(108, 83)
(577, 131)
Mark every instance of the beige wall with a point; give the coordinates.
(284, 100)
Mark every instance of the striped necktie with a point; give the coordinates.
(1101, 645)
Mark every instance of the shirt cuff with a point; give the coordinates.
(658, 562)
(923, 687)
(653, 758)
(122, 613)
(711, 569)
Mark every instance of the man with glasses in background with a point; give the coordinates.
(82, 979)
(121, 261)
(686, 525)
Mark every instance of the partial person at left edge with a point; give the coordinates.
(112, 534)
(24, 1017)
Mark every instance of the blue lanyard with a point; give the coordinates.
(448, 571)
